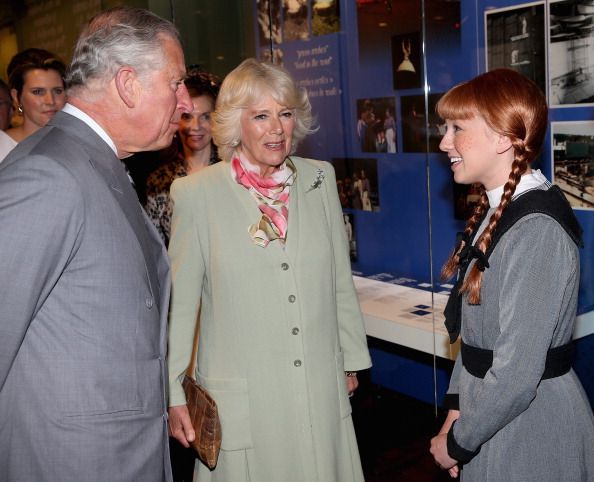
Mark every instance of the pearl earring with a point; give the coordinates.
(234, 143)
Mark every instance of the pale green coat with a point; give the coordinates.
(278, 327)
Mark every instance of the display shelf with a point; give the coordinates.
(406, 315)
(410, 315)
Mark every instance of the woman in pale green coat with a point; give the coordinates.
(258, 245)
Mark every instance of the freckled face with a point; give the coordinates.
(475, 153)
(266, 134)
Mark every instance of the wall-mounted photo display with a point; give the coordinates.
(325, 17)
(466, 197)
(571, 53)
(349, 226)
(295, 20)
(414, 127)
(380, 20)
(515, 39)
(376, 125)
(276, 56)
(269, 21)
(377, 22)
(406, 61)
(573, 161)
(357, 184)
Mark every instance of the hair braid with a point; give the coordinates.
(451, 266)
(472, 283)
(512, 106)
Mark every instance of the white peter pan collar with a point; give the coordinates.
(527, 182)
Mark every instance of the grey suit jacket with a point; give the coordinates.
(84, 291)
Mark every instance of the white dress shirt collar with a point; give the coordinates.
(79, 114)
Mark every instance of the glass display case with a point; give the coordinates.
(374, 70)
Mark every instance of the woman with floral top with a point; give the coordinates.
(258, 245)
(191, 150)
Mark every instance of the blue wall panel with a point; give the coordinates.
(415, 221)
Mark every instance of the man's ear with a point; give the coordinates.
(504, 144)
(127, 85)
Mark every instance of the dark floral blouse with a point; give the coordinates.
(158, 205)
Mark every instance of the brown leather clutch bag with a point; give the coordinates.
(205, 420)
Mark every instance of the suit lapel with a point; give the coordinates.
(122, 190)
(112, 171)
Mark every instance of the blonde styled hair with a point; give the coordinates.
(245, 85)
(513, 106)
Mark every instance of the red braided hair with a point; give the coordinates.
(512, 106)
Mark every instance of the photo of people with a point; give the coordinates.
(325, 17)
(571, 57)
(515, 39)
(406, 61)
(349, 226)
(296, 20)
(269, 21)
(415, 124)
(466, 197)
(376, 125)
(573, 161)
(275, 57)
(357, 183)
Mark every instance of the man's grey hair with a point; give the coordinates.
(122, 36)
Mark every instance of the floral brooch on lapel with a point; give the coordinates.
(317, 181)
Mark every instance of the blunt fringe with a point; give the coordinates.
(512, 106)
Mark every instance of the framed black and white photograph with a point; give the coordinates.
(295, 20)
(349, 226)
(325, 17)
(357, 183)
(376, 125)
(406, 61)
(466, 198)
(378, 21)
(515, 39)
(418, 129)
(573, 161)
(276, 56)
(571, 53)
(269, 22)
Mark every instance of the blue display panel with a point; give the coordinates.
(358, 58)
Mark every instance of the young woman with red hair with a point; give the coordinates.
(517, 410)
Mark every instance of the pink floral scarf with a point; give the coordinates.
(271, 195)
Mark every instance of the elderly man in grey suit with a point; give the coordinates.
(84, 281)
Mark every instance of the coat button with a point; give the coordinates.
(149, 303)
(292, 298)
(284, 266)
(297, 363)
(295, 331)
